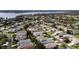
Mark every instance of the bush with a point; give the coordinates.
(34, 40)
(62, 46)
(15, 46)
(47, 34)
(66, 40)
(3, 47)
(13, 43)
(4, 40)
(14, 35)
(76, 46)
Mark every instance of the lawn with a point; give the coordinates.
(75, 46)
(77, 35)
(47, 34)
(8, 34)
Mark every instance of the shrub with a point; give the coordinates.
(62, 46)
(75, 46)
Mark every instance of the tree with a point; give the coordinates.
(14, 35)
(34, 40)
(76, 46)
(66, 40)
(70, 32)
(62, 46)
(26, 26)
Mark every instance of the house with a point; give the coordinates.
(21, 35)
(39, 33)
(2, 28)
(32, 29)
(57, 33)
(12, 30)
(48, 42)
(50, 45)
(70, 37)
(62, 28)
(25, 44)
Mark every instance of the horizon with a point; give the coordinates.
(21, 11)
(14, 13)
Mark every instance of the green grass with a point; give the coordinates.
(77, 35)
(47, 34)
(3, 47)
(62, 46)
(75, 46)
(8, 34)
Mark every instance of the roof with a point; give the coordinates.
(46, 40)
(21, 33)
(27, 41)
(50, 45)
(26, 44)
(37, 33)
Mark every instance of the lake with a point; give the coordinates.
(11, 15)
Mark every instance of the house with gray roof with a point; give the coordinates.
(25, 44)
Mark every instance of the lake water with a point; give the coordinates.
(11, 15)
